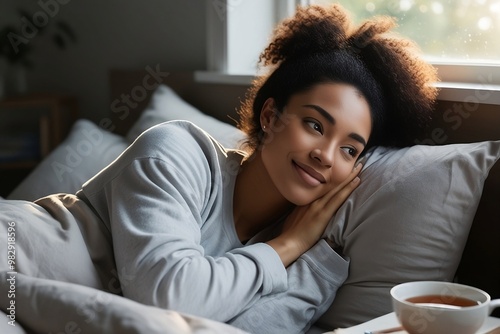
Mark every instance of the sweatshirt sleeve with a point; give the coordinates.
(156, 206)
(313, 281)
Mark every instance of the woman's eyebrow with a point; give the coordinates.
(322, 111)
(358, 138)
(330, 119)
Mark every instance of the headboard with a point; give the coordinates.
(480, 265)
(218, 100)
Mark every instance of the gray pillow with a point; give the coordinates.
(166, 105)
(408, 220)
(87, 149)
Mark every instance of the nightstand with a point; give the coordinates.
(32, 125)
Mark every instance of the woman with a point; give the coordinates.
(181, 223)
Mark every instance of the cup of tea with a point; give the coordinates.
(431, 307)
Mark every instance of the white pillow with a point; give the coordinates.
(166, 105)
(87, 149)
(408, 220)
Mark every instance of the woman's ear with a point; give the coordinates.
(267, 114)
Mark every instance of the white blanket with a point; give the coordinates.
(48, 306)
(55, 266)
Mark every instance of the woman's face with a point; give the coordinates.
(313, 145)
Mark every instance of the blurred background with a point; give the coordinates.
(465, 30)
(96, 36)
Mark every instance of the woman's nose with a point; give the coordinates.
(324, 157)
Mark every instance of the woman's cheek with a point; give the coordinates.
(342, 174)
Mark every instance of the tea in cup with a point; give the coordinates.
(431, 307)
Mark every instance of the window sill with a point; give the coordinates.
(469, 92)
(449, 91)
(223, 78)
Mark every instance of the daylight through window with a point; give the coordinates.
(444, 29)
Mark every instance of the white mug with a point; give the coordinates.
(431, 307)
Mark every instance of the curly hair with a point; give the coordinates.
(320, 44)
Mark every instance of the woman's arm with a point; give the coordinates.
(315, 271)
(313, 281)
(157, 205)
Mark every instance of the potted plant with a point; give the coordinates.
(18, 42)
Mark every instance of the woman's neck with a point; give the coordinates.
(257, 203)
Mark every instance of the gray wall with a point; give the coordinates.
(127, 34)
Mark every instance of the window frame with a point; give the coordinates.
(460, 80)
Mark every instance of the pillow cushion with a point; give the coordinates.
(408, 220)
(87, 149)
(166, 105)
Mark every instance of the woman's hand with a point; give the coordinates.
(306, 224)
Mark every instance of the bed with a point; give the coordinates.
(429, 212)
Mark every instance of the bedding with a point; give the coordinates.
(47, 306)
(408, 220)
(86, 150)
(73, 247)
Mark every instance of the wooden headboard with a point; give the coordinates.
(480, 265)
(218, 100)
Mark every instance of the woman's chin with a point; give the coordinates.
(301, 199)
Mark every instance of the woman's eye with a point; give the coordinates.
(351, 151)
(314, 125)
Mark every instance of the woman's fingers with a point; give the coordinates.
(344, 189)
(341, 195)
(306, 224)
(328, 205)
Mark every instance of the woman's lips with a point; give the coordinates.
(308, 174)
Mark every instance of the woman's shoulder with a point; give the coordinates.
(182, 143)
(178, 147)
(181, 137)
(175, 129)
(173, 137)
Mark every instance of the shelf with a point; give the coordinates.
(34, 125)
(22, 164)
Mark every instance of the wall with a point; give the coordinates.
(168, 34)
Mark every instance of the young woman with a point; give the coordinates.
(181, 223)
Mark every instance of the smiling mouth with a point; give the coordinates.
(308, 174)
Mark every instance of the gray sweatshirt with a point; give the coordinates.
(167, 201)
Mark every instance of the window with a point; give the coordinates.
(238, 30)
(463, 30)
(460, 37)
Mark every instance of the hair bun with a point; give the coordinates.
(369, 30)
(313, 29)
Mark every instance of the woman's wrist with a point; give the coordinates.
(287, 250)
